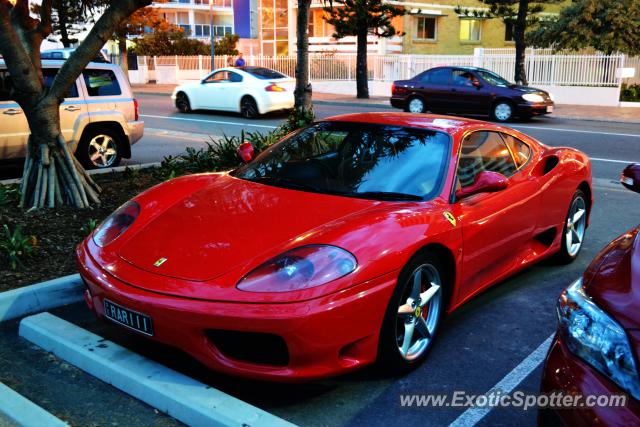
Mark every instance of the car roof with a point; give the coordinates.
(58, 63)
(438, 122)
(62, 49)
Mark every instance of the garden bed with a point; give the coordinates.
(54, 234)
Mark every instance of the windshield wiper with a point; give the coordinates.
(386, 195)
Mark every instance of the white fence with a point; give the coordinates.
(543, 68)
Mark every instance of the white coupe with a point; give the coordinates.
(250, 91)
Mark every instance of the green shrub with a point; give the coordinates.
(630, 93)
(14, 245)
(89, 226)
(9, 195)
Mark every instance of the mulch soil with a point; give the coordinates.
(58, 231)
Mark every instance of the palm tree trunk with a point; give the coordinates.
(303, 91)
(519, 30)
(362, 83)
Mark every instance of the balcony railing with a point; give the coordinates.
(215, 3)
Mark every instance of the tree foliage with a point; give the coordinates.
(522, 14)
(52, 176)
(68, 18)
(361, 18)
(609, 26)
(177, 43)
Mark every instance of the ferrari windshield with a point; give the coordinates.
(357, 160)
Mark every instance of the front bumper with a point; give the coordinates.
(534, 108)
(136, 130)
(567, 373)
(324, 337)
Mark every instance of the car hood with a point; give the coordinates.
(613, 279)
(228, 223)
(526, 89)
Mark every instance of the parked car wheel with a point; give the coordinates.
(413, 314)
(503, 111)
(575, 226)
(99, 149)
(416, 105)
(249, 108)
(182, 102)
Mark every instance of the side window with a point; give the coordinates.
(521, 151)
(101, 83)
(462, 78)
(235, 77)
(219, 77)
(5, 86)
(483, 151)
(437, 77)
(49, 74)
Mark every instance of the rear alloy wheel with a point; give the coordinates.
(575, 226)
(249, 108)
(99, 149)
(182, 103)
(503, 111)
(416, 105)
(413, 315)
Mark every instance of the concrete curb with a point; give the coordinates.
(40, 297)
(179, 396)
(24, 412)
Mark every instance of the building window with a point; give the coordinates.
(470, 30)
(508, 32)
(425, 28)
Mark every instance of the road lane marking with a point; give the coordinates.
(219, 122)
(625, 162)
(473, 416)
(576, 131)
(171, 392)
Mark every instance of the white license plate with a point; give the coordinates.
(549, 108)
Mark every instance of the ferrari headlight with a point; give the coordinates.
(532, 97)
(116, 223)
(301, 268)
(596, 338)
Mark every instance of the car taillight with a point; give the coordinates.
(116, 223)
(135, 109)
(393, 88)
(301, 268)
(274, 88)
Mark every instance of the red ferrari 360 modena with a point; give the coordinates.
(595, 351)
(344, 243)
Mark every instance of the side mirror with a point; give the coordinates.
(246, 152)
(476, 83)
(485, 182)
(630, 177)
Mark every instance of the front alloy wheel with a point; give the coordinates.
(503, 111)
(413, 315)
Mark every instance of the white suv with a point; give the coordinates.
(98, 118)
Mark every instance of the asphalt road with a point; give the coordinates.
(477, 346)
(168, 132)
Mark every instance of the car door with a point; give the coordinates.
(497, 227)
(214, 94)
(14, 128)
(466, 93)
(72, 109)
(434, 87)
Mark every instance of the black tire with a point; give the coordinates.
(416, 100)
(567, 253)
(182, 103)
(249, 108)
(100, 148)
(503, 110)
(390, 356)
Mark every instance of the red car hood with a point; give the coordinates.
(227, 223)
(613, 279)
